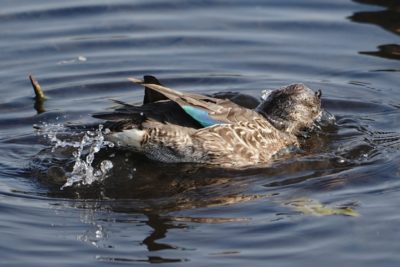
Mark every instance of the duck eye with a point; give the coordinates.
(318, 93)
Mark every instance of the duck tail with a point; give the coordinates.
(151, 95)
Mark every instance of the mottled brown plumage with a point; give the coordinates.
(169, 126)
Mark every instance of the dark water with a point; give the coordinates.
(83, 51)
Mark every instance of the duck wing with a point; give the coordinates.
(165, 111)
(243, 100)
(205, 110)
(240, 99)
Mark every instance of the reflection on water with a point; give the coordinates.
(387, 19)
(98, 233)
(391, 51)
(146, 212)
(160, 192)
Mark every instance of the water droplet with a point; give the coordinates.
(106, 165)
(99, 234)
(265, 93)
(92, 141)
(341, 161)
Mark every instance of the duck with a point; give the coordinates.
(184, 127)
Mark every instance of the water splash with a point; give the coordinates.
(324, 119)
(265, 94)
(86, 146)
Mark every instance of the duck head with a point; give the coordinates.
(292, 108)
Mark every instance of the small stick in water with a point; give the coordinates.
(37, 88)
(39, 95)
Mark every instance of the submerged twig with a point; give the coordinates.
(39, 95)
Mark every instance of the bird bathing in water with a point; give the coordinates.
(172, 126)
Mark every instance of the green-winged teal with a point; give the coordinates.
(172, 126)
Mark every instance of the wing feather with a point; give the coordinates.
(205, 110)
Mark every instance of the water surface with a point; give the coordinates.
(143, 212)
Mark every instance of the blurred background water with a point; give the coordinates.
(143, 212)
